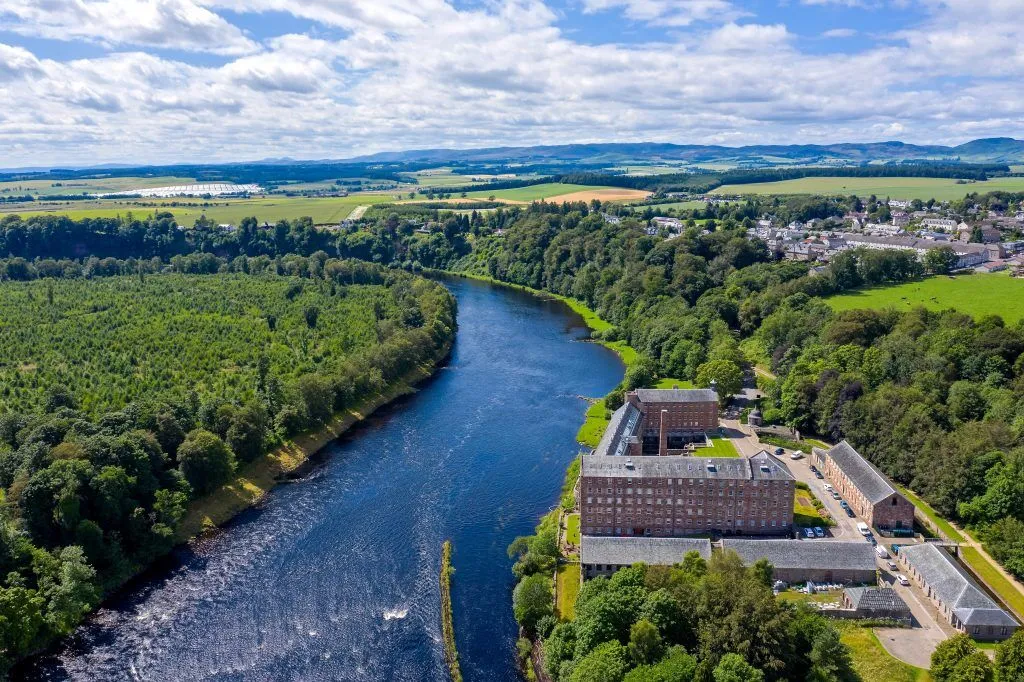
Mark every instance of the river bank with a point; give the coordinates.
(252, 483)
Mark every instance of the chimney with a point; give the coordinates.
(663, 435)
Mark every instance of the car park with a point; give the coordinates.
(818, 532)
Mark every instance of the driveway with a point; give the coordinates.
(913, 645)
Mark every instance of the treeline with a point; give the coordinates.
(697, 621)
(89, 500)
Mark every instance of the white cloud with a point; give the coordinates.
(839, 33)
(669, 12)
(173, 24)
(422, 73)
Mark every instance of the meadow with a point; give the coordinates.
(113, 340)
(977, 295)
(322, 210)
(941, 189)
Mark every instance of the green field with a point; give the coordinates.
(323, 210)
(942, 189)
(572, 529)
(112, 340)
(1004, 589)
(568, 589)
(89, 185)
(533, 192)
(720, 447)
(870, 659)
(977, 295)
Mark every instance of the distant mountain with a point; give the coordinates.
(993, 150)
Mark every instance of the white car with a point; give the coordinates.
(891, 564)
(797, 455)
(902, 580)
(828, 487)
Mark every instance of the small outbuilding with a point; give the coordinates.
(819, 561)
(876, 603)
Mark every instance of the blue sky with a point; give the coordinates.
(215, 80)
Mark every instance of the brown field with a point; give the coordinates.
(614, 194)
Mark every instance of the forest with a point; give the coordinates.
(144, 386)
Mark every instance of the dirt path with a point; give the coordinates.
(357, 212)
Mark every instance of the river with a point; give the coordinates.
(334, 576)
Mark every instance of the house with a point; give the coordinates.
(954, 593)
(938, 223)
(670, 224)
(675, 496)
(868, 492)
(799, 561)
(900, 219)
(971, 255)
(611, 219)
(899, 203)
(605, 555)
(876, 603)
(992, 266)
(883, 229)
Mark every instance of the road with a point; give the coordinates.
(910, 645)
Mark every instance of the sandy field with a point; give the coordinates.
(615, 194)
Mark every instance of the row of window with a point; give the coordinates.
(709, 523)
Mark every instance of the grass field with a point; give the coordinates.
(804, 511)
(678, 206)
(89, 186)
(720, 447)
(1006, 591)
(572, 529)
(568, 589)
(943, 525)
(870, 659)
(533, 192)
(977, 295)
(898, 188)
(673, 383)
(269, 209)
(594, 425)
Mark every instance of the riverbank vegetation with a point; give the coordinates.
(101, 454)
(451, 653)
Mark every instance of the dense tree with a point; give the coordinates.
(205, 461)
(1009, 665)
(949, 654)
(732, 668)
(531, 600)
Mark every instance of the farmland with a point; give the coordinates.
(942, 189)
(534, 192)
(187, 210)
(113, 340)
(977, 295)
(88, 186)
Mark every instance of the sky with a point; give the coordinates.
(87, 82)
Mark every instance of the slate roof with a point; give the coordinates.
(678, 466)
(877, 599)
(623, 424)
(954, 587)
(813, 554)
(626, 551)
(869, 480)
(676, 395)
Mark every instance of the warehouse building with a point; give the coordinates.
(675, 496)
(955, 594)
(869, 493)
(820, 561)
(605, 555)
(660, 422)
(876, 603)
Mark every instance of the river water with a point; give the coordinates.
(334, 576)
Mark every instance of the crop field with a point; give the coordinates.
(679, 206)
(533, 192)
(88, 186)
(976, 295)
(603, 195)
(269, 209)
(942, 189)
(112, 340)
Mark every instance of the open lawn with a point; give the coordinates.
(941, 189)
(816, 598)
(977, 295)
(572, 529)
(678, 206)
(673, 383)
(870, 659)
(1003, 588)
(720, 447)
(804, 511)
(323, 210)
(568, 589)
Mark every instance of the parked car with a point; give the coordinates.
(817, 474)
(813, 469)
(779, 452)
(880, 551)
(872, 540)
(863, 528)
(818, 532)
(891, 564)
(797, 455)
(836, 496)
(902, 579)
(849, 512)
(808, 533)
(844, 504)
(827, 487)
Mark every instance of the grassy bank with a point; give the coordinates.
(256, 479)
(990, 575)
(942, 524)
(451, 654)
(568, 577)
(870, 659)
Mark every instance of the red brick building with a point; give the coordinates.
(869, 493)
(674, 496)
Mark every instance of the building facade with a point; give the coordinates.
(675, 496)
(868, 492)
